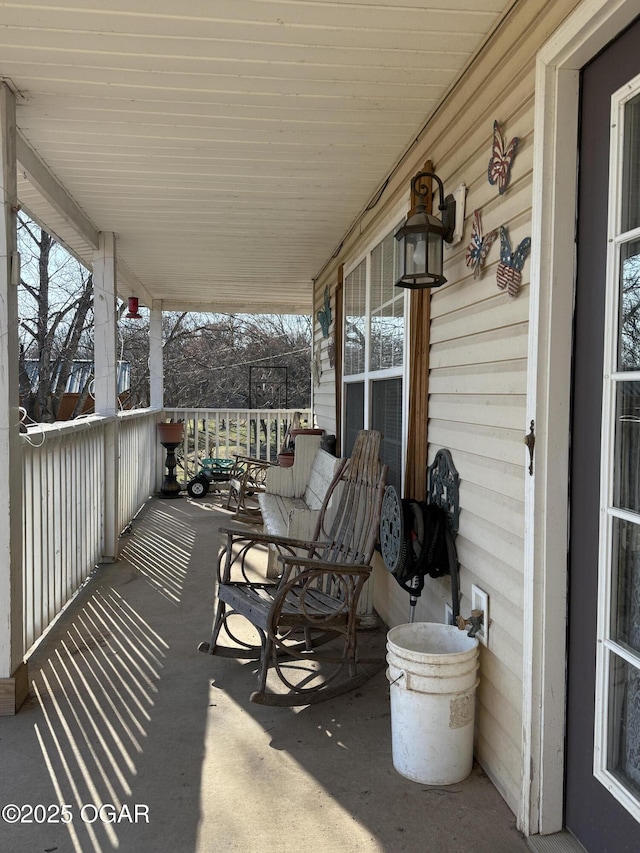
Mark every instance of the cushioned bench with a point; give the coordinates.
(293, 497)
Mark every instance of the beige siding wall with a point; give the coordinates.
(323, 374)
(478, 368)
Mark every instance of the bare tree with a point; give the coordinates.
(630, 309)
(56, 311)
(207, 361)
(207, 357)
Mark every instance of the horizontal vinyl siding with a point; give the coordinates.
(478, 369)
(477, 409)
(324, 390)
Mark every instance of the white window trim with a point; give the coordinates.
(391, 222)
(589, 28)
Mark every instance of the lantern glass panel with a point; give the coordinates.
(435, 254)
(416, 254)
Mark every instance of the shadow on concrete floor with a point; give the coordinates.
(126, 715)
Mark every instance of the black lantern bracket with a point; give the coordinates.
(446, 206)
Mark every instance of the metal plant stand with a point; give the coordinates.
(170, 437)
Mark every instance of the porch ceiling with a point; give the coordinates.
(177, 124)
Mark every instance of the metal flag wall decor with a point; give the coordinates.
(317, 366)
(509, 273)
(478, 248)
(324, 314)
(502, 157)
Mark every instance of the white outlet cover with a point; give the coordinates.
(460, 195)
(480, 601)
(448, 614)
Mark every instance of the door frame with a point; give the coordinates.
(589, 28)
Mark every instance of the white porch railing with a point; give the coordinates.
(63, 504)
(64, 501)
(220, 433)
(138, 462)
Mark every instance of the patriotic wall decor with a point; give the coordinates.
(509, 274)
(478, 248)
(502, 157)
(509, 270)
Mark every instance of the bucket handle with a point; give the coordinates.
(402, 675)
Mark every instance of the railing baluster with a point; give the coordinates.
(63, 494)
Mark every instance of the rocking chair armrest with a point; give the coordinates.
(240, 533)
(252, 461)
(244, 457)
(310, 565)
(228, 557)
(247, 467)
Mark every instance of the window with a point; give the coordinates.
(354, 413)
(374, 354)
(386, 416)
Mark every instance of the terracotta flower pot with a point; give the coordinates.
(285, 459)
(311, 431)
(170, 433)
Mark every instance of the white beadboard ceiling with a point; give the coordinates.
(230, 144)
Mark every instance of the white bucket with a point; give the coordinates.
(432, 670)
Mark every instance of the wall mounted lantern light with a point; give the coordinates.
(132, 313)
(421, 237)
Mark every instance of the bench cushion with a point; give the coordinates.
(277, 511)
(323, 470)
(296, 516)
(292, 482)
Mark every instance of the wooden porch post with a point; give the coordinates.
(419, 329)
(156, 368)
(14, 685)
(106, 369)
(337, 340)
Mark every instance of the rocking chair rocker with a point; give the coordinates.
(315, 599)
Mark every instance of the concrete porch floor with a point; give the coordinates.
(123, 710)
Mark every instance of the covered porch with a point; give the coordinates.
(124, 711)
(201, 160)
(259, 156)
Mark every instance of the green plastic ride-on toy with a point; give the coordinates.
(212, 471)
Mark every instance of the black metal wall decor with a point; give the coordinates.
(443, 485)
(268, 387)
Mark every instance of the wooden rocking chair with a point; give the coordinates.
(315, 599)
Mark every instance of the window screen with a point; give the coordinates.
(386, 416)
(354, 414)
(355, 306)
(387, 308)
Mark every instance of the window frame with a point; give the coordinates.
(368, 376)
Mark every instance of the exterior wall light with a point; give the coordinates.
(132, 313)
(422, 235)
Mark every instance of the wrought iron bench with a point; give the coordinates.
(315, 600)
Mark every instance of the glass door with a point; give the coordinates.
(617, 730)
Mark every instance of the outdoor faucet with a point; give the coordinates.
(475, 622)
